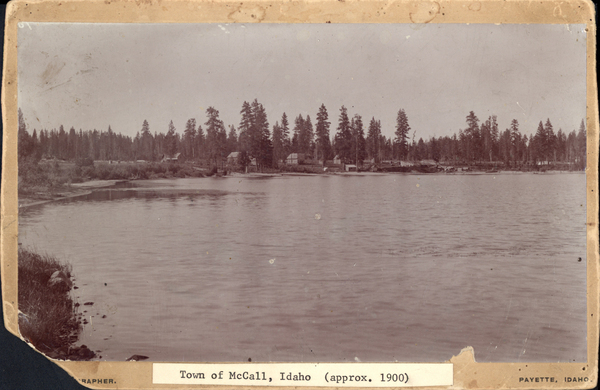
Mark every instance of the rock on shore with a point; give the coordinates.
(59, 281)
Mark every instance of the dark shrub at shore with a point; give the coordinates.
(35, 177)
(84, 162)
(302, 168)
(47, 315)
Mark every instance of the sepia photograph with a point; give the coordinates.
(297, 193)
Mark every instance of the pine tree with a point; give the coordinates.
(472, 137)
(343, 137)
(62, 142)
(296, 138)
(540, 142)
(278, 145)
(189, 139)
(72, 144)
(434, 150)
(147, 141)
(550, 146)
(421, 150)
(402, 130)
(581, 146)
(25, 144)
(561, 144)
(515, 140)
(245, 128)
(494, 137)
(372, 142)
(305, 136)
(486, 139)
(323, 143)
(232, 140)
(285, 137)
(222, 143)
(358, 140)
(200, 144)
(170, 141)
(214, 131)
(262, 147)
(506, 146)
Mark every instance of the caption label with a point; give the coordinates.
(305, 374)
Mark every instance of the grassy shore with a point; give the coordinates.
(47, 179)
(48, 318)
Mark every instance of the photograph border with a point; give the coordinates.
(467, 372)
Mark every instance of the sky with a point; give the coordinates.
(90, 76)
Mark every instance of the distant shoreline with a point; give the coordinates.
(42, 195)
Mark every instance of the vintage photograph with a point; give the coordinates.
(302, 192)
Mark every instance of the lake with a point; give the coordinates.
(364, 267)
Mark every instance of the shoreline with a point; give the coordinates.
(74, 190)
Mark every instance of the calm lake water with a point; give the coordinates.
(334, 268)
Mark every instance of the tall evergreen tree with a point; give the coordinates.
(323, 143)
(515, 140)
(550, 146)
(222, 143)
(285, 136)
(147, 142)
(358, 140)
(421, 150)
(581, 146)
(494, 136)
(278, 142)
(504, 145)
(72, 144)
(245, 129)
(189, 139)
(200, 144)
(372, 142)
(472, 137)
(25, 143)
(434, 150)
(261, 145)
(170, 141)
(402, 130)
(61, 142)
(343, 137)
(540, 142)
(232, 140)
(561, 145)
(305, 137)
(486, 139)
(214, 131)
(296, 137)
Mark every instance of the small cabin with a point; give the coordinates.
(350, 168)
(174, 158)
(295, 159)
(233, 158)
(428, 163)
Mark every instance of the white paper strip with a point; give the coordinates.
(305, 374)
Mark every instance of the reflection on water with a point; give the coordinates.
(328, 268)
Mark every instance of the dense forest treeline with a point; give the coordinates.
(354, 141)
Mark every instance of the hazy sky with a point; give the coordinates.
(95, 75)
